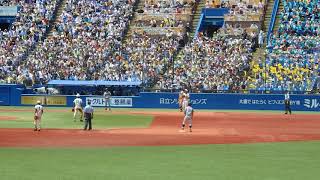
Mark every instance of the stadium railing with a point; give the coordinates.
(273, 18)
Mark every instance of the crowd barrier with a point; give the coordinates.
(11, 95)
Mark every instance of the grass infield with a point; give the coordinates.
(264, 161)
(64, 119)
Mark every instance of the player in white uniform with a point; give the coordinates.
(77, 107)
(38, 111)
(185, 101)
(188, 116)
(107, 98)
(180, 100)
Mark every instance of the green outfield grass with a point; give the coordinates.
(53, 119)
(103, 119)
(264, 161)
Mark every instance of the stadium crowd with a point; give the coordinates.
(211, 64)
(83, 43)
(156, 35)
(148, 55)
(293, 61)
(30, 26)
(87, 44)
(160, 21)
(12, 2)
(169, 6)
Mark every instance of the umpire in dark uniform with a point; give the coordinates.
(88, 116)
(287, 102)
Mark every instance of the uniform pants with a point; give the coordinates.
(37, 122)
(180, 104)
(108, 103)
(287, 106)
(184, 104)
(77, 111)
(87, 122)
(187, 119)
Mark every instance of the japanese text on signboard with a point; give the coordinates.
(175, 101)
(114, 101)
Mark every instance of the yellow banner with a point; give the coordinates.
(56, 100)
(45, 100)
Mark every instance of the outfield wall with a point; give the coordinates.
(11, 96)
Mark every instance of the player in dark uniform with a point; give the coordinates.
(287, 102)
(88, 116)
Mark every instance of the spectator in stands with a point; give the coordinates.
(292, 63)
(150, 48)
(166, 6)
(211, 64)
(83, 45)
(261, 38)
(31, 24)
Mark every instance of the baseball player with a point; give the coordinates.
(107, 97)
(186, 98)
(180, 100)
(77, 107)
(188, 116)
(38, 111)
(287, 102)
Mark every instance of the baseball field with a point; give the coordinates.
(148, 144)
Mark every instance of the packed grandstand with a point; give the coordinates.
(155, 42)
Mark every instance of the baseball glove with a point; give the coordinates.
(72, 110)
(35, 118)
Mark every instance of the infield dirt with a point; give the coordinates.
(209, 128)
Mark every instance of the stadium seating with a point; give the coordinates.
(83, 44)
(29, 28)
(244, 15)
(220, 63)
(169, 6)
(156, 34)
(211, 64)
(292, 61)
(88, 43)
